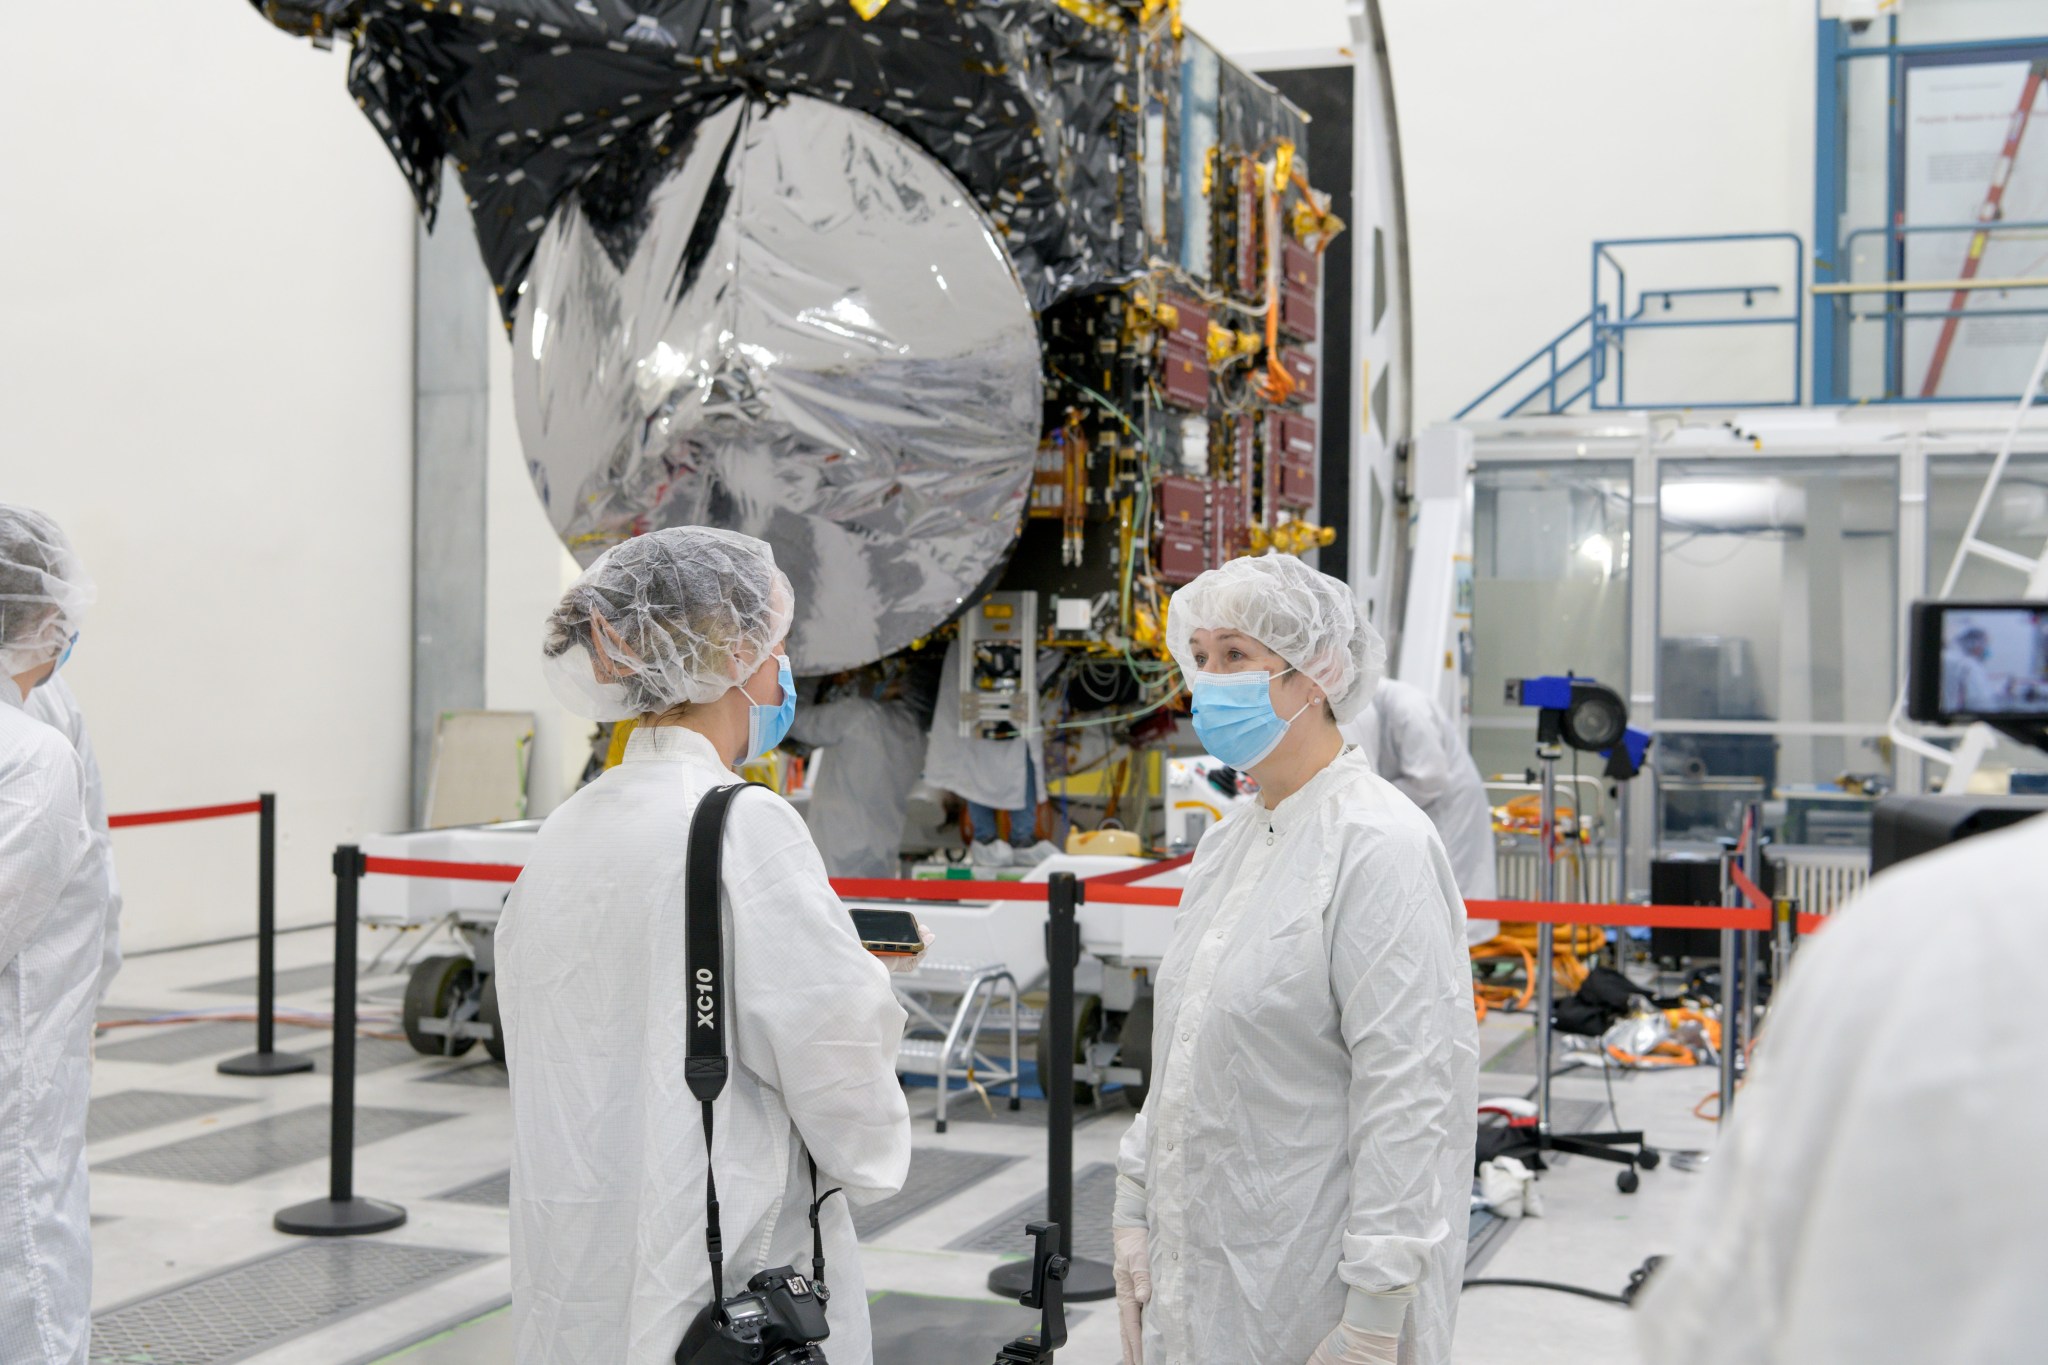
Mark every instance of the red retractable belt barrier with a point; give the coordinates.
(265, 1060)
(455, 872)
(1646, 916)
(172, 817)
(1138, 874)
(1109, 890)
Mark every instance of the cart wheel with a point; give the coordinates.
(1087, 1012)
(1649, 1158)
(437, 986)
(1628, 1181)
(1134, 1049)
(488, 1012)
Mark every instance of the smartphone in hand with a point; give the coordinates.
(888, 933)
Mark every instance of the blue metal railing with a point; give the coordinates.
(1560, 372)
(1597, 342)
(1895, 314)
(1615, 333)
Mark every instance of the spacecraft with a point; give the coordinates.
(941, 298)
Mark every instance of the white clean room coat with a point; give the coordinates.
(872, 754)
(55, 706)
(988, 772)
(608, 1262)
(1967, 685)
(1414, 744)
(51, 920)
(1311, 1122)
(1873, 1201)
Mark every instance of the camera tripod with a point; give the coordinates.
(1609, 1146)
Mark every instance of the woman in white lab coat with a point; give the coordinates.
(1297, 1189)
(53, 893)
(683, 629)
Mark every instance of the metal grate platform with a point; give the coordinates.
(493, 1192)
(232, 1155)
(176, 1043)
(131, 1111)
(1094, 1199)
(936, 1175)
(248, 1309)
(475, 1073)
(290, 981)
(372, 1054)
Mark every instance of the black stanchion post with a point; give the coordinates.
(342, 1213)
(266, 1060)
(1085, 1279)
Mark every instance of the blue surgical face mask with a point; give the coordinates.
(767, 726)
(1234, 716)
(58, 667)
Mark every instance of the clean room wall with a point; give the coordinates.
(207, 262)
(1530, 131)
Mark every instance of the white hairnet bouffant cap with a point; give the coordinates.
(674, 616)
(44, 590)
(1310, 619)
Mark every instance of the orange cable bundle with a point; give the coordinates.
(1486, 994)
(1524, 815)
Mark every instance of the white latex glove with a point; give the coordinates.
(1350, 1345)
(900, 965)
(1133, 1275)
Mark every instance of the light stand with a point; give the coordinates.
(1551, 729)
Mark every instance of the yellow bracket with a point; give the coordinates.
(1147, 312)
(1146, 633)
(1172, 8)
(1090, 13)
(1316, 226)
(1299, 537)
(868, 9)
(1283, 162)
(1226, 345)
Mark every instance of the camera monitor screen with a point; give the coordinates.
(1980, 661)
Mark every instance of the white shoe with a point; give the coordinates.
(996, 854)
(1036, 854)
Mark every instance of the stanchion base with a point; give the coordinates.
(1086, 1280)
(266, 1064)
(339, 1218)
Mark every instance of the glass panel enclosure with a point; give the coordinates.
(1550, 591)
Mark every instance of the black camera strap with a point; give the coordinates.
(706, 1067)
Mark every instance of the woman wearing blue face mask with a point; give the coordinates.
(683, 631)
(1296, 1191)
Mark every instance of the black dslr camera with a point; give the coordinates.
(779, 1321)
